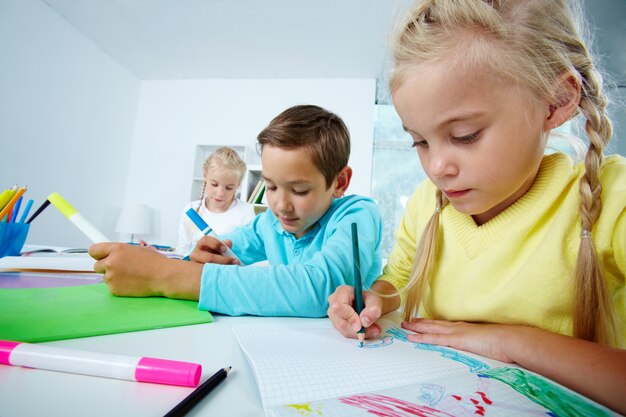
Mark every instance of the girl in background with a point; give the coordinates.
(223, 172)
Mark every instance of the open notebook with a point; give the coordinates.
(314, 371)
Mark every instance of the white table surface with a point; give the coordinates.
(35, 392)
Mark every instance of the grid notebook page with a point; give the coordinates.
(314, 370)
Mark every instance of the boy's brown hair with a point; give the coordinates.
(322, 133)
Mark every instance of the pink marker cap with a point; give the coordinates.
(6, 347)
(163, 371)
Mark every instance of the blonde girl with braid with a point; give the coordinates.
(505, 250)
(223, 172)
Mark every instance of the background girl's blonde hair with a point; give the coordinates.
(222, 158)
(529, 43)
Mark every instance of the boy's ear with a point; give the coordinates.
(343, 181)
(567, 92)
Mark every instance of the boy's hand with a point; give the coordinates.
(210, 250)
(139, 272)
(345, 319)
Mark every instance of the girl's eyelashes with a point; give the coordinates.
(468, 138)
(228, 188)
(301, 192)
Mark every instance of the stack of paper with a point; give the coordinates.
(49, 262)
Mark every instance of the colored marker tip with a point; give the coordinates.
(360, 344)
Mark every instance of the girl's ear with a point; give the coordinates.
(567, 93)
(342, 182)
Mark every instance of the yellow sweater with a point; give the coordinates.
(518, 268)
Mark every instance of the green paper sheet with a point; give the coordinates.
(45, 314)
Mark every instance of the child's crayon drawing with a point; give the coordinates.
(306, 409)
(382, 405)
(559, 401)
(380, 342)
(474, 364)
(322, 374)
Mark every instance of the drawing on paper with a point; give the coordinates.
(322, 374)
(555, 399)
(380, 342)
(382, 405)
(306, 409)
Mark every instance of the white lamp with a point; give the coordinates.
(134, 220)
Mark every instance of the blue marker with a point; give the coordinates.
(26, 211)
(207, 231)
(163, 248)
(16, 210)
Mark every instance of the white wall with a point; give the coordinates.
(67, 113)
(75, 121)
(174, 116)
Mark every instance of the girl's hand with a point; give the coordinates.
(143, 244)
(483, 339)
(210, 250)
(594, 370)
(345, 319)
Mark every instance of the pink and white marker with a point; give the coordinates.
(132, 368)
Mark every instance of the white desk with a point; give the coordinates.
(34, 392)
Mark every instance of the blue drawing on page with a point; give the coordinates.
(397, 333)
(473, 364)
(431, 394)
(381, 342)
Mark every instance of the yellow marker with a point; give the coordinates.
(75, 217)
(9, 206)
(6, 196)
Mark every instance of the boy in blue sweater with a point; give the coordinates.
(305, 235)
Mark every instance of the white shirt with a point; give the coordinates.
(238, 214)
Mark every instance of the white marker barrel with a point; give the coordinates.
(133, 368)
(87, 228)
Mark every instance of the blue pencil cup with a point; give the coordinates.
(12, 238)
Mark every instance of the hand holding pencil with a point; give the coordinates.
(344, 317)
(352, 311)
(358, 285)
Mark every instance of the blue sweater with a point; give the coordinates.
(302, 272)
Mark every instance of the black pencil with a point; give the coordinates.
(39, 210)
(199, 393)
